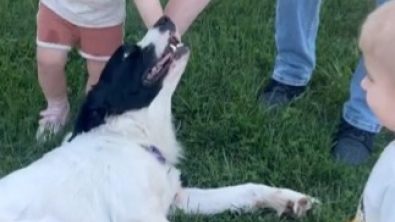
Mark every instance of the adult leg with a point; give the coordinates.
(353, 143)
(297, 25)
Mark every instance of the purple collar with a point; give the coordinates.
(155, 151)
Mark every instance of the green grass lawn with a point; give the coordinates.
(228, 138)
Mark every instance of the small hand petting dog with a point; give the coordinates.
(119, 163)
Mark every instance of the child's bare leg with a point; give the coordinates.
(55, 37)
(51, 75)
(97, 46)
(95, 69)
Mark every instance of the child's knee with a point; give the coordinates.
(47, 57)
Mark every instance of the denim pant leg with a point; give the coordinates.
(356, 111)
(296, 24)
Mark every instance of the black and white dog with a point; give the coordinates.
(119, 163)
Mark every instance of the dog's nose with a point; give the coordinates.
(165, 24)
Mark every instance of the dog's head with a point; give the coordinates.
(135, 77)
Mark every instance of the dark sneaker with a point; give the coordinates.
(277, 94)
(351, 145)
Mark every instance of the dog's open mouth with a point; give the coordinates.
(173, 51)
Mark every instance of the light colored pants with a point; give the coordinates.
(297, 24)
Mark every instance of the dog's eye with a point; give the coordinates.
(149, 48)
(130, 51)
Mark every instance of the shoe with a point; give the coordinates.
(277, 94)
(351, 145)
(52, 121)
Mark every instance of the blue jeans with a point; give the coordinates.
(297, 24)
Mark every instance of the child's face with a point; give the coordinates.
(379, 85)
(377, 42)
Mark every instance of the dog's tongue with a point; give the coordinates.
(174, 48)
(175, 51)
(164, 59)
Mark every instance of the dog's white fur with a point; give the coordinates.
(105, 174)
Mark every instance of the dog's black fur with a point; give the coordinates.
(127, 67)
(106, 98)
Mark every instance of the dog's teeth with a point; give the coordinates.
(173, 47)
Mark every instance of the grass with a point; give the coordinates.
(228, 138)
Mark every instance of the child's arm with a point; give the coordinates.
(150, 11)
(184, 12)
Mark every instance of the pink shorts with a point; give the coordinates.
(93, 43)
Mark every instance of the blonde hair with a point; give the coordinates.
(377, 36)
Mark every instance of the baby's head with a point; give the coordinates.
(377, 42)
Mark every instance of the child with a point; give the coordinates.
(377, 43)
(96, 28)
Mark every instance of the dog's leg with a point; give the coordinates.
(245, 197)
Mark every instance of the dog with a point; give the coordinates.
(119, 163)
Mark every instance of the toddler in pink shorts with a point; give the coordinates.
(95, 28)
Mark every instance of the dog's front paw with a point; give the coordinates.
(289, 202)
(283, 201)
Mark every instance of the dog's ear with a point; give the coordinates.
(88, 119)
(92, 114)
